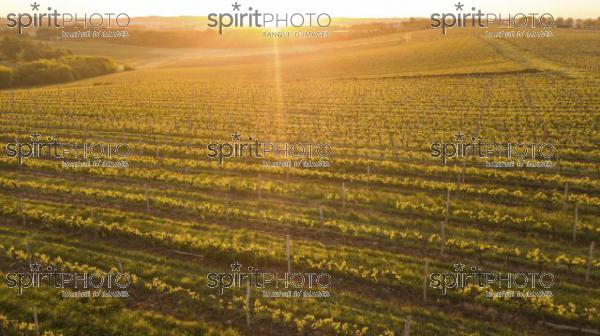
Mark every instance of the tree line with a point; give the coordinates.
(24, 63)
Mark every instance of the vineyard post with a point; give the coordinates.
(147, 198)
(17, 130)
(19, 203)
(35, 321)
(227, 204)
(23, 216)
(18, 134)
(344, 195)
(575, 225)
(392, 146)
(321, 212)
(368, 175)
(425, 271)
(445, 222)
(248, 302)
(28, 252)
(258, 186)
(406, 331)
(120, 264)
(139, 147)
(463, 170)
(287, 252)
(156, 153)
(589, 265)
(566, 196)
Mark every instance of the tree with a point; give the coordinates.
(6, 76)
(10, 48)
(560, 22)
(569, 22)
(43, 72)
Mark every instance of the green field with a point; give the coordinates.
(372, 220)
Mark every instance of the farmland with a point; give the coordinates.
(372, 219)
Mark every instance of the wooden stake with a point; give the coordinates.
(406, 331)
(21, 211)
(425, 272)
(344, 195)
(589, 266)
(28, 252)
(147, 199)
(35, 321)
(464, 168)
(248, 303)
(575, 225)
(19, 204)
(287, 252)
(227, 205)
(444, 223)
(566, 197)
(258, 186)
(321, 212)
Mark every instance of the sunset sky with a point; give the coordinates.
(371, 8)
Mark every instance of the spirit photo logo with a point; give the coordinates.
(476, 18)
(50, 276)
(52, 18)
(51, 148)
(298, 283)
(459, 148)
(461, 278)
(254, 148)
(255, 18)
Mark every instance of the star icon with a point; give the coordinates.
(236, 266)
(459, 267)
(459, 137)
(35, 6)
(35, 136)
(236, 136)
(236, 6)
(459, 6)
(35, 267)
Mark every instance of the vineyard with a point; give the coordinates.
(382, 217)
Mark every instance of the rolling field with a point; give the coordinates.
(372, 220)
